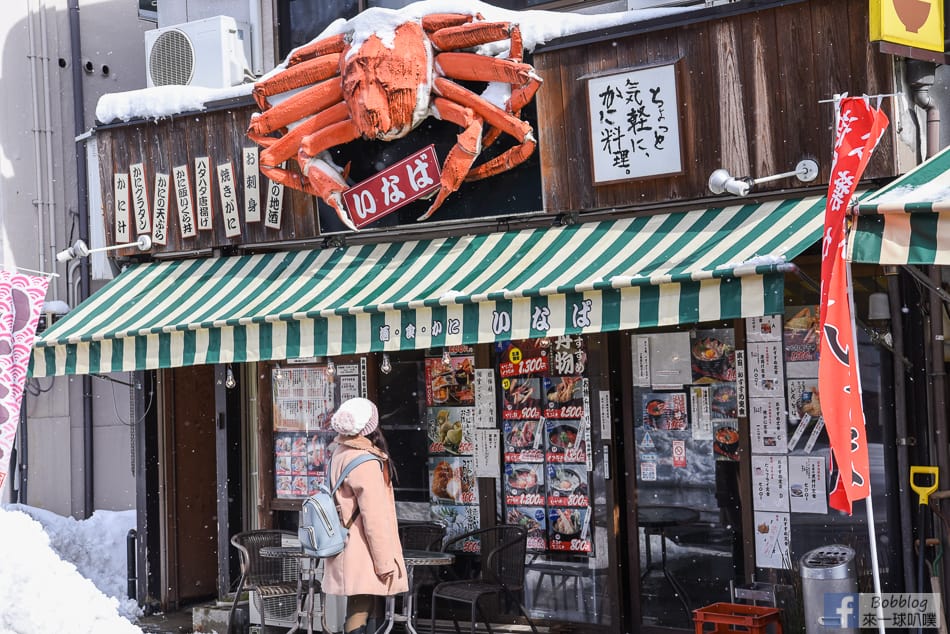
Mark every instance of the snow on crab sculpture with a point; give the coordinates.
(373, 90)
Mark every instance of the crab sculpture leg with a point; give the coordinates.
(374, 93)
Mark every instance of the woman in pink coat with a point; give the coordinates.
(371, 564)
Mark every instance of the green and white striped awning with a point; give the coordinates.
(908, 221)
(695, 266)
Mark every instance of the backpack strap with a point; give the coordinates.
(355, 462)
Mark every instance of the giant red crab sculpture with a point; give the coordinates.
(376, 91)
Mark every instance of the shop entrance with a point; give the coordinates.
(681, 434)
(189, 502)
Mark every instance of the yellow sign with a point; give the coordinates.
(917, 23)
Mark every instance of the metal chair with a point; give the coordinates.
(418, 535)
(275, 582)
(501, 575)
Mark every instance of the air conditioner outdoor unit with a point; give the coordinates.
(211, 53)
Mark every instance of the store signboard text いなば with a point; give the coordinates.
(407, 180)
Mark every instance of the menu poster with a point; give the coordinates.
(566, 441)
(767, 425)
(282, 485)
(451, 430)
(532, 519)
(766, 375)
(723, 401)
(519, 358)
(459, 520)
(521, 398)
(569, 530)
(450, 383)
(641, 361)
(766, 328)
(772, 537)
(701, 408)
(567, 356)
(282, 465)
(807, 485)
(563, 397)
(567, 485)
(524, 484)
(664, 410)
(485, 398)
(770, 483)
(712, 355)
(524, 440)
(303, 398)
(351, 379)
(726, 441)
(283, 443)
(800, 335)
(803, 399)
(452, 481)
(298, 486)
(487, 443)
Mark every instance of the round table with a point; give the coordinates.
(412, 558)
(654, 520)
(298, 556)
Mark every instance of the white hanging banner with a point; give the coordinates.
(275, 205)
(186, 207)
(252, 188)
(143, 219)
(229, 204)
(160, 228)
(120, 183)
(203, 193)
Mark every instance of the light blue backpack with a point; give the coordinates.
(321, 533)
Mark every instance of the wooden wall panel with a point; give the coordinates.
(751, 87)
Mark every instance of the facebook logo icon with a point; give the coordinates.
(841, 610)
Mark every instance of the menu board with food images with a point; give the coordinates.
(545, 448)
(304, 399)
(459, 519)
(664, 410)
(713, 355)
(534, 520)
(524, 440)
(569, 529)
(800, 339)
(450, 421)
(450, 430)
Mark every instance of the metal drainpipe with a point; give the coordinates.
(79, 123)
(900, 427)
(920, 76)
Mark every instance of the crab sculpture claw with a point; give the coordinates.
(382, 91)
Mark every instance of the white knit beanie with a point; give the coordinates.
(357, 416)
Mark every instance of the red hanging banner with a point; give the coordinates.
(859, 128)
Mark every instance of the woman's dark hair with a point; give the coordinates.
(379, 441)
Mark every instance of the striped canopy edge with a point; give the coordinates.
(907, 221)
(695, 266)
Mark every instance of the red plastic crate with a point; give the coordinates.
(737, 617)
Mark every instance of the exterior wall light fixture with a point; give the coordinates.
(721, 181)
(81, 250)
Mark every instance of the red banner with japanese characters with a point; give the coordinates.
(859, 128)
(21, 302)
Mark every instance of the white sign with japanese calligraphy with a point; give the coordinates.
(252, 186)
(121, 186)
(806, 484)
(485, 398)
(275, 205)
(160, 228)
(143, 218)
(770, 483)
(767, 425)
(772, 536)
(186, 207)
(487, 447)
(766, 369)
(203, 192)
(229, 205)
(634, 124)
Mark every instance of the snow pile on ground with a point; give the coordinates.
(50, 568)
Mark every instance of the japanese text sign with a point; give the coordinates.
(399, 184)
(634, 124)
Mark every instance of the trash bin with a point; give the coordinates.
(829, 570)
